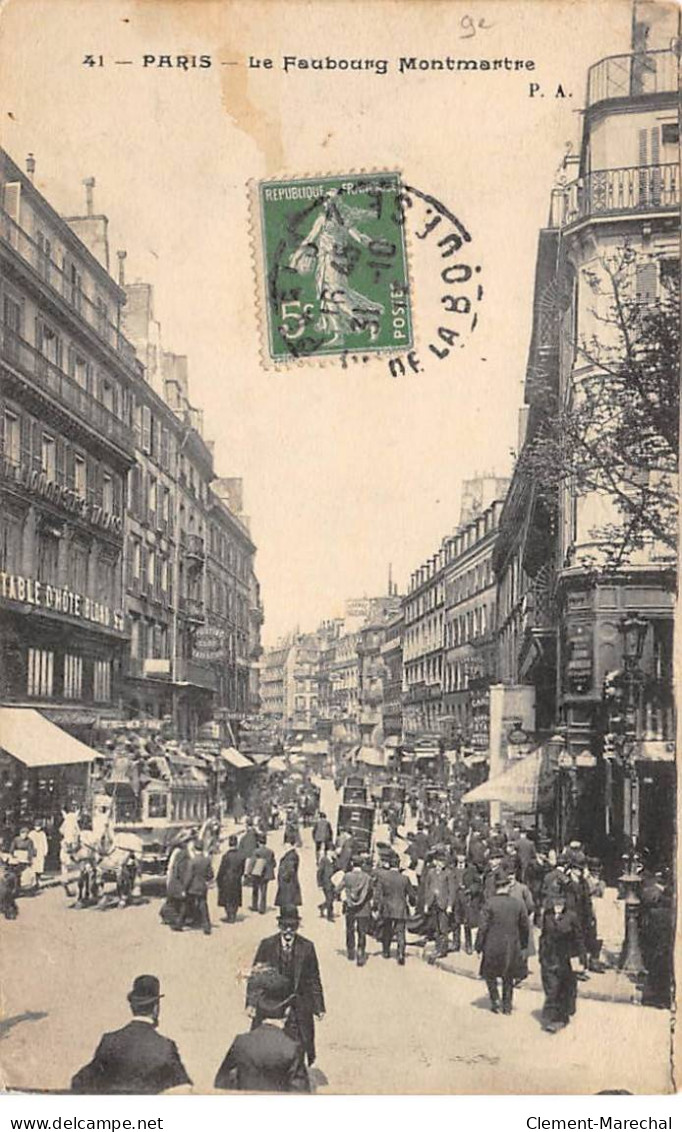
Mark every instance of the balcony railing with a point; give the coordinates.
(609, 192)
(192, 608)
(633, 75)
(49, 377)
(96, 316)
(194, 547)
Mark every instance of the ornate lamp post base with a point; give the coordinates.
(631, 961)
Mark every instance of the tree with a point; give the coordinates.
(615, 431)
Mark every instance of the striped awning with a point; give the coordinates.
(518, 787)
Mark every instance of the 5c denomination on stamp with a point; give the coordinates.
(334, 266)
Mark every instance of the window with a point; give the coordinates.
(11, 531)
(645, 282)
(670, 272)
(73, 677)
(48, 343)
(670, 133)
(105, 582)
(134, 638)
(151, 496)
(79, 475)
(12, 438)
(48, 557)
(75, 287)
(164, 575)
(40, 672)
(157, 806)
(78, 568)
(49, 462)
(151, 567)
(44, 254)
(102, 317)
(137, 559)
(102, 681)
(108, 493)
(108, 396)
(146, 429)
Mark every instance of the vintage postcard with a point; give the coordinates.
(339, 426)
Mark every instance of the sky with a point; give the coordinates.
(345, 470)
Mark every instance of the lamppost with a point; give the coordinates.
(634, 629)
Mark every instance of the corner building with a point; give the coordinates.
(67, 445)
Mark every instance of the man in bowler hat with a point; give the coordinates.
(136, 1058)
(294, 957)
(266, 1060)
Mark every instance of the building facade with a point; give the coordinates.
(67, 396)
(470, 619)
(626, 194)
(423, 610)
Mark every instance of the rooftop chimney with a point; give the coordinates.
(121, 268)
(89, 183)
(30, 166)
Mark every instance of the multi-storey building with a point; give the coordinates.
(67, 396)
(302, 674)
(189, 557)
(470, 615)
(345, 683)
(562, 609)
(392, 657)
(273, 680)
(373, 676)
(423, 609)
(626, 194)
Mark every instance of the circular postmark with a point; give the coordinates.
(344, 258)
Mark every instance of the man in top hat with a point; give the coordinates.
(229, 880)
(502, 938)
(266, 1060)
(136, 1058)
(294, 957)
(439, 898)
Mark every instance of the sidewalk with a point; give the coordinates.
(611, 985)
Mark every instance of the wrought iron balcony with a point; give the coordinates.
(631, 76)
(47, 376)
(194, 548)
(192, 608)
(612, 192)
(59, 281)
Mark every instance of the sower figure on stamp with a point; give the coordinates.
(330, 249)
(502, 937)
(294, 957)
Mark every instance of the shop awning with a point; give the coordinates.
(655, 751)
(370, 756)
(517, 787)
(277, 765)
(235, 758)
(32, 739)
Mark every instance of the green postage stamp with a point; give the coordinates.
(334, 266)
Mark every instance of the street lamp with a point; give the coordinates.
(634, 629)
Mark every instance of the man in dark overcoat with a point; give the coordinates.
(136, 1058)
(295, 958)
(229, 880)
(199, 877)
(501, 939)
(266, 1060)
(262, 872)
(392, 892)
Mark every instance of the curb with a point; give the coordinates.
(624, 992)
